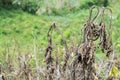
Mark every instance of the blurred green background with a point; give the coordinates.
(21, 19)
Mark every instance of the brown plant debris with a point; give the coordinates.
(83, 63)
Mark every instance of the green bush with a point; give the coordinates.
(57, 7)
(30, 6)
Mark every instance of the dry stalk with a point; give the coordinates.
(2, 77)
(36, 61)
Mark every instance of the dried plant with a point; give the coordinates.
(105, 37)
(24, 70)
(53, 68)
(83, 63)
